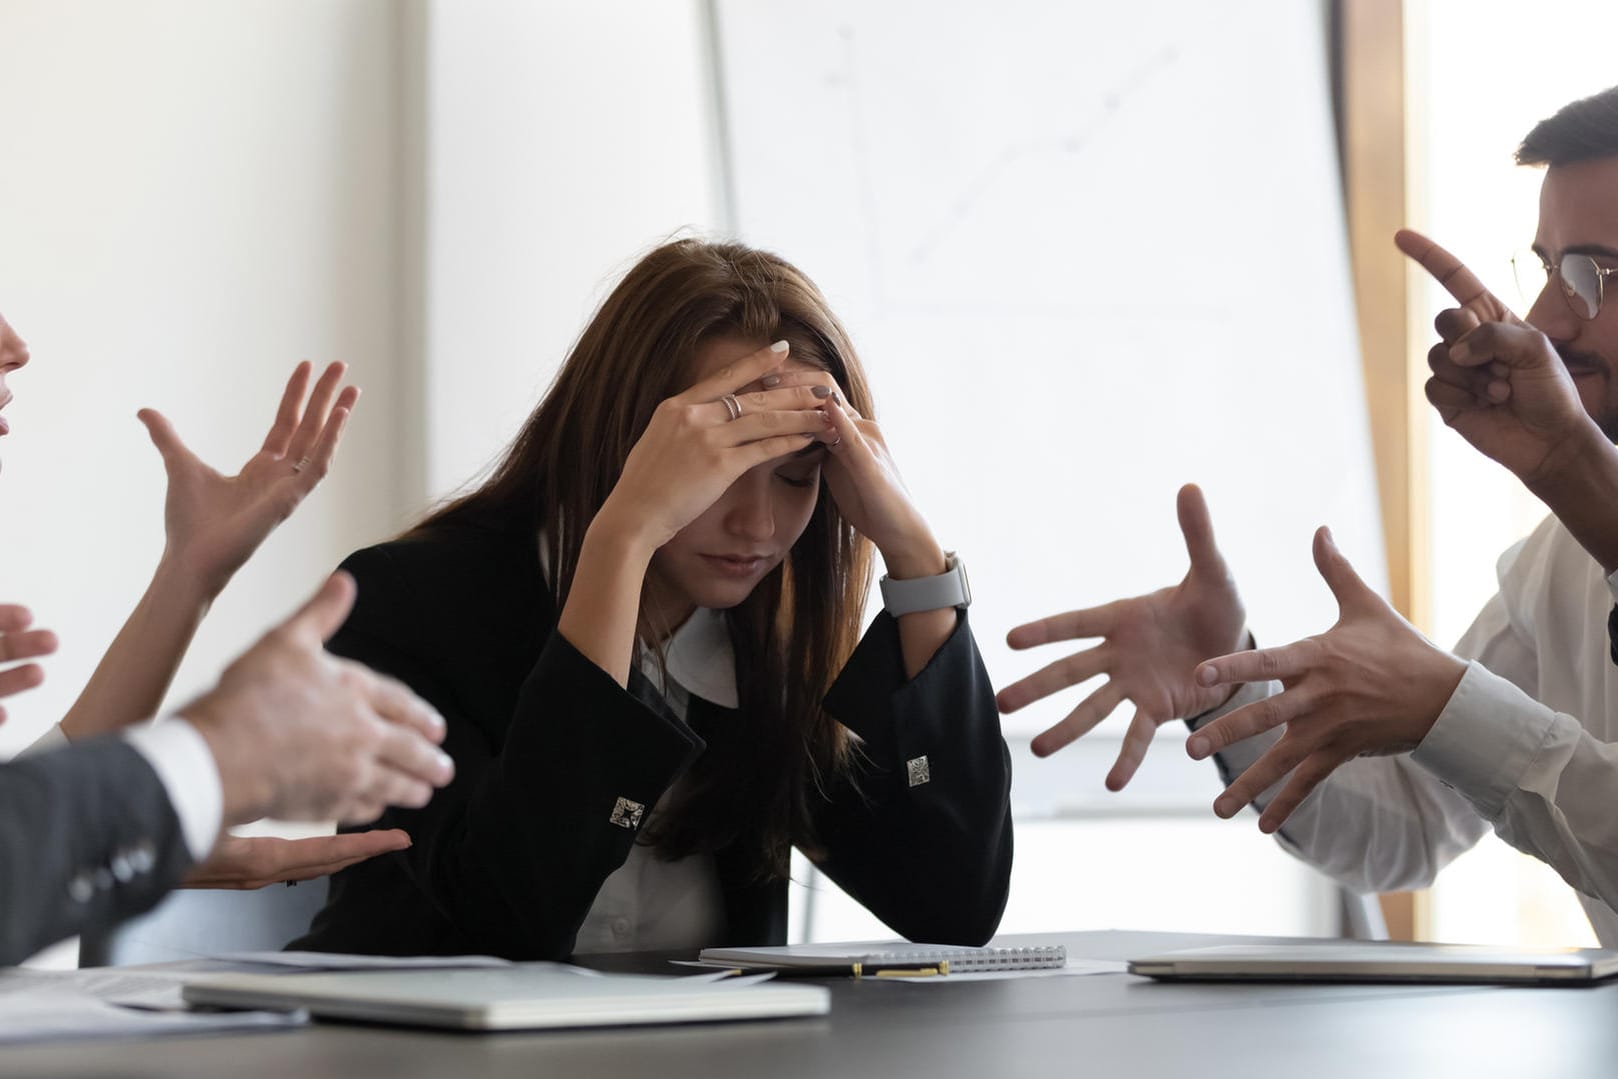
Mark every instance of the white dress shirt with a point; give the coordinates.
(1525, 745)
(183, 762)
(648, 903)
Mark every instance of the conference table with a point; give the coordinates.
(1092, 1025)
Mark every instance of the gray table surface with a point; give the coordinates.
(1100, 1025)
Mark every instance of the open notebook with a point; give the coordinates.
(875, 953)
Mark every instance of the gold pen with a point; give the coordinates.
(850, 970)
(909, 972)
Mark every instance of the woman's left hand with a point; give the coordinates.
(864, 481)
(213, 523)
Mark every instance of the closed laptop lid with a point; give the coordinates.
(1382, 961)
(527, 996)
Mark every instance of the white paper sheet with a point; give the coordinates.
(63, 1005)
(120, 1002)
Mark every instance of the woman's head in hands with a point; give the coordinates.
(672, 405)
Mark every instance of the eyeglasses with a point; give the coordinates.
(1583, 280)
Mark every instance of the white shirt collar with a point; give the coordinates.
(699, 658)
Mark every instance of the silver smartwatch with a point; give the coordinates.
(947, 589)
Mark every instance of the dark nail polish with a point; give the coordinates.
(821, 391)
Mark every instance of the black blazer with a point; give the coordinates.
(508, 859)
(87, 838)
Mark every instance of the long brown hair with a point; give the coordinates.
(759, 779)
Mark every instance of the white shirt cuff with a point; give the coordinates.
(182, 760)
(51, 739)
(1485, 739)
(1612, 585)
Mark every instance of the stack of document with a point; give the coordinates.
(283, 989)
(122, 1002)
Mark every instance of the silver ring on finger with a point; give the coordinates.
(300, 464)
(732, 406)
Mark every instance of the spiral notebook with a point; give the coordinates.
(878, 952)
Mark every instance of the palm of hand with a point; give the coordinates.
(248, 862)
(1160, 642)
(1150, 648)
(215, 522)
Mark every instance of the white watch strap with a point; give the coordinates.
(948, 589)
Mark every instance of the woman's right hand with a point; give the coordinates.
(692, 450)
(17, 641)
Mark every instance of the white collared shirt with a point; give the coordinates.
(649, 904)
(1527, 744)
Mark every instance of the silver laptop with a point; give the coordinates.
(524, 997)
(1355, 961)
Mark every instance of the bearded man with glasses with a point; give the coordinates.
(1370, 752)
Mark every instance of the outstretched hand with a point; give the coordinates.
(1370, 685)
(213, 522)
(1150, 646)
(1497, 381)
(18, 641)
(246, 862)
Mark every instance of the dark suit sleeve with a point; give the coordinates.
(87, 837)
(925, 841)
(1612, 633)
(514, 851)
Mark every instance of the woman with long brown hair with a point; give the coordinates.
(644, 632)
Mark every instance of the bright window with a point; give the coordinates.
(1483, 72)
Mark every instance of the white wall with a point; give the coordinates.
(1088, 253)
(193, 197)
(197, 195)
(563, 140)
